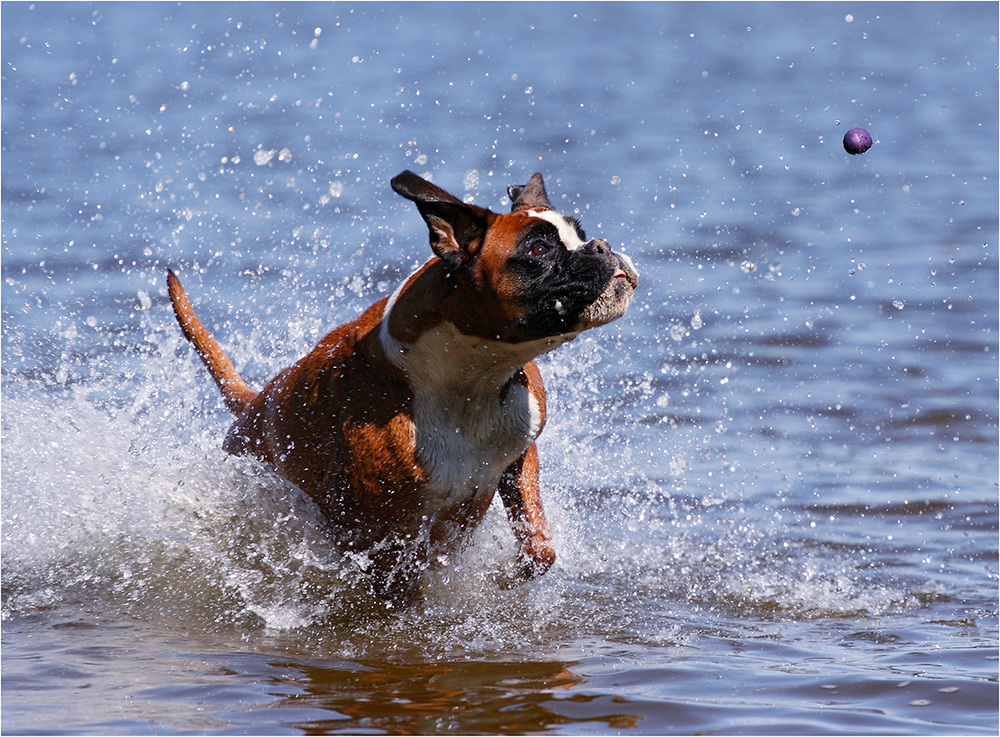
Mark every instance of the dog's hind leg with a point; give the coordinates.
(236, 394)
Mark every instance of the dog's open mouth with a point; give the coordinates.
(626, 270)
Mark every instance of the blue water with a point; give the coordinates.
(773, 484)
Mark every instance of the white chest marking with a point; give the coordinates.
(471, 420)
(567, 233)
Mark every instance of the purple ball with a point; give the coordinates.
(857, 141)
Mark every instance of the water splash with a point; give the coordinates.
(117, 499)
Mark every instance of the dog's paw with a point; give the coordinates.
(531, 563)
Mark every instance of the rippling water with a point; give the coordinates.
(773, 485)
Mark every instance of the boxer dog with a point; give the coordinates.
(403, 424)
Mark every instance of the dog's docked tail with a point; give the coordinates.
(236, 394)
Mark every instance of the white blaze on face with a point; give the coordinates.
(567, 233)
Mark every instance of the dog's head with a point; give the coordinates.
(533, 272)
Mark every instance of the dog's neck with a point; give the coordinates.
(421, 341)
(472, 411)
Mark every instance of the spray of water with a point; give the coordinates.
(118, 502)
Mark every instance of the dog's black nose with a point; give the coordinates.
(597, 246)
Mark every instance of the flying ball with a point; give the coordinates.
(857, 141)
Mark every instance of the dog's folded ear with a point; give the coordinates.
(417, 189)
(530, 196)
(456, 228)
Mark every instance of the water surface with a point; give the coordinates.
(773, 484)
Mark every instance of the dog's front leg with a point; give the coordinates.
(520, 494)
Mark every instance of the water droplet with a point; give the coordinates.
(677, 465)
(263, 156)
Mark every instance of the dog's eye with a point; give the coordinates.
(539, 248)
